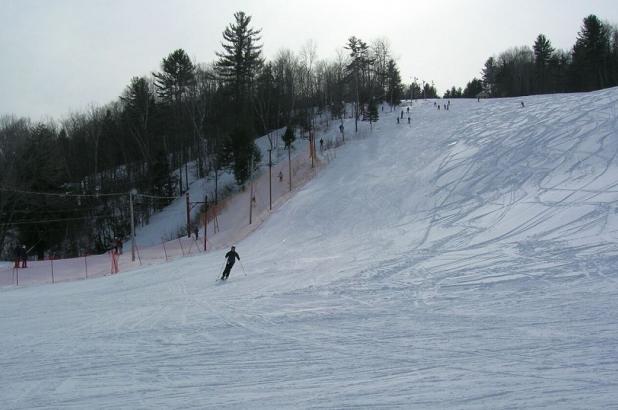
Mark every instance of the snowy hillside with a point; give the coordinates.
(465, 261)
(166, 224)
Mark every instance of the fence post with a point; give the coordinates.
(51, 258)
(181, 248)
(190, 247)
(139, 257)
(86, 263)
(114, 262)
(164, 251)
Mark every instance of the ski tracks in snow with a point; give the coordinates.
(465, 261)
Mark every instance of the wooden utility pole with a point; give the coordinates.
(187, 175)
(251, 194)
(132, 225)
(216, 168)
(315, 153)
(215, 219)
(180, 171)
(290, 165)
(357, 101)
(188, 216)
(205, 221)
(310, 149)
(270, 179)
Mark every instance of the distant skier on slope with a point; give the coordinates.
(17, 251)
(231, 257)
(118, 246)
(24, 256)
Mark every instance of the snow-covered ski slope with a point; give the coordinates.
(466, 261)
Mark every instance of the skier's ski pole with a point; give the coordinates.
(220, 270)
(243, 268)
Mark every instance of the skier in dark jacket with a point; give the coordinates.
(17, 255)
(231, 257)
(24, 256)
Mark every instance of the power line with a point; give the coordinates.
(48, 210)
(63, 195)
(70, 195)
(55, 220)
(112, 215)
(158, 197)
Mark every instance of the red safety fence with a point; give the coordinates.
(93, 266)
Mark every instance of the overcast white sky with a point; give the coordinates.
(58, 56)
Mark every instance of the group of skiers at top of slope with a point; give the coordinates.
(409, 118)
(446, 106)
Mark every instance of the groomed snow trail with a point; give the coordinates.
(465, 261)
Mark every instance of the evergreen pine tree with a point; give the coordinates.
(489, 76)
(395, 89)
(177, 75)
(138, 102)
(357, 68)
(242, 151)
(289, 137)
(173, 85)
(473, 88)
(240, 60)
(543, 51)
(591, 55)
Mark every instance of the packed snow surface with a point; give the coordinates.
(465, 261)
